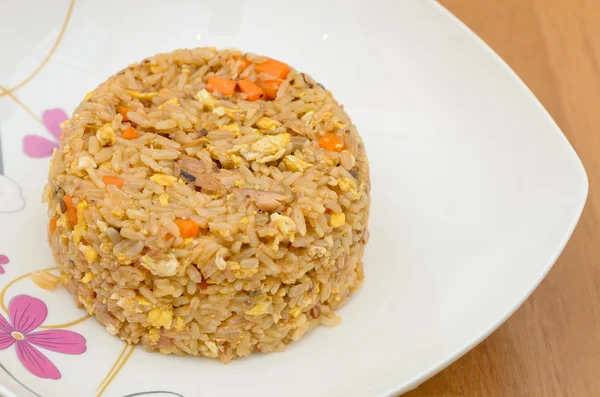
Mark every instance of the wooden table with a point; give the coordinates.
(551, 345)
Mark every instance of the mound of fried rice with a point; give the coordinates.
(195, 220)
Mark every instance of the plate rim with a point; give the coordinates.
(418, 380)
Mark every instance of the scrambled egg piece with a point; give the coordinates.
(284, 224)
(160, 318)
(244, 221)
(212, 347)
(222, 111)
(184, 124)
(88, 277)
(163, 179)
(260, 308)
(323, 117)
(87, 303)
(295, 163)
(154, 68)
(163, 266)
(232, 160)
(126, 303)
(347, 185)
(64, 279)
(236, 160)
(87, 96)
(141, 95)
(83, 163)
(153, 336)
(112, 329)
(266, 123)
(117, 213)
(179, 323)
(123, 259)
(133, 304)
(63, 221)
(172, 101)
(337, 219)
(80, 226)
(295, 312)
(315, 250)
(106, 135)
(164, 199)
(206, 98)
(327, 161)
(241, 272)
(106, 248)
(231, 127)
(89, 252)
(268, 148)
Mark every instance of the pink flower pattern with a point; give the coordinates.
(3, 261)
(37, 146)
(26, 314)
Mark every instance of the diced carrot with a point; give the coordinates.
(245, 62)
(113, 180)
(71, 210)
(331, 142)
(274, 68)
(250, 88)
(53, 224)
(187, 227)
(270, 88)
(130, 133)
(224, 86)
(123, 112)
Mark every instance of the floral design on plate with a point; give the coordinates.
(3, 261)
(39, 147)
(25, 315)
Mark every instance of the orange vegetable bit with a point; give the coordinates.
(130, 133)
(113, 180)
(274, 68)
(270, 88)
(71, 210)
(251, 89)
(224, 86)
(53, 225)
(123, 112)
(187, 227)
(331, 142)
(245, 62)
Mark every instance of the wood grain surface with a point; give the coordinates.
(551, 345)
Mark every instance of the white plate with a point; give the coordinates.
(475, 189)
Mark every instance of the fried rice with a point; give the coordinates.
(210, 203)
